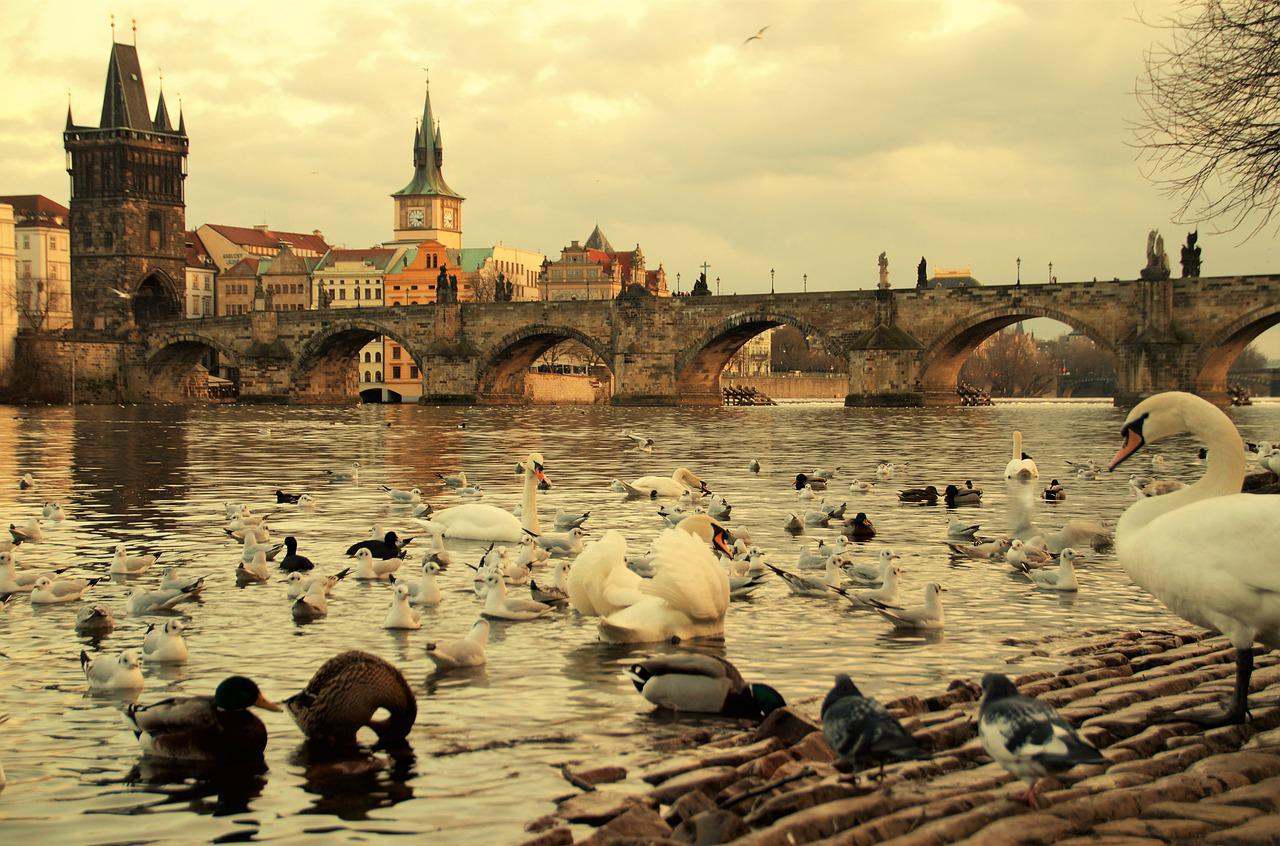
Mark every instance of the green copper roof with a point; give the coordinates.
(427, 159)
(471, 259)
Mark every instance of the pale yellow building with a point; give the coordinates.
(228, 245)
(201, 278)
(43, 242)
(8, 293)
(754, 358)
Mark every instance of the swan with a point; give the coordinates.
(1207, 552)
(688, 595)
(599, 581)
(481, 521)
(677, 483)
(1020, 466)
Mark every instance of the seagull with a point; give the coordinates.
(1027, 737)
(861, 731)
(1064, 578)
(926, 616)
(759, 35)
(124, 672)
(26, 480)
(640, 442)
(150, 601)
(409, 497)
(960, 530)
(454, 480)
(121, 294)
(465, 652)
(165, 645)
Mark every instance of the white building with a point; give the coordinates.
(201, 276)
(43, 242)
(8, 293)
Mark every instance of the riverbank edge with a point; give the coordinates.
(1166, 782)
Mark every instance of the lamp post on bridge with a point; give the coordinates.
(717, 286)
(805, 277)
(771, 280)
(677, 284)
(1018, 283)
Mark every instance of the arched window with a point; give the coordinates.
(366, 376)
(366, 357)
(377, 356)
(378, 374)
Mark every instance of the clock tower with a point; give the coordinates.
(427, 209)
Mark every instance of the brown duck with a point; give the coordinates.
(345, 693)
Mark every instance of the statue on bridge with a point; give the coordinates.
(922, 274)
(1191, 256)
(324, 296)
(700, 288)
(883, 263)
(1157, 268)
(503, 291)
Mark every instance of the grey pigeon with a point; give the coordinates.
(862, 732)
(1027, 737)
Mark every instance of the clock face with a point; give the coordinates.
(448, 218)
(417, 218)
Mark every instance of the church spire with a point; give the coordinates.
(124, 98)
(427, 158)
(162, 116)
(70, 123)
(439, 145)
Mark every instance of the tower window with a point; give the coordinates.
(154, 239)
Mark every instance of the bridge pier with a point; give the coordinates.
(885, 375)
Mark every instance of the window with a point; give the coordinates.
(413, 371)
(395, 353)
(395, 372)
(378, 375)
(377, 356)
(26, 242)
(367, 357)
(366, 373)
(154, 233)
(342, 293)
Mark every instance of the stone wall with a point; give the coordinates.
(793, 385)
(557, 388)
(50, 368)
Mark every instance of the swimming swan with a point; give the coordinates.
(481, 521)
(1020, 466)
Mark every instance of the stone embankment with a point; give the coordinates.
(1167, 782)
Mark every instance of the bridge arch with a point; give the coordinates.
(173, 374)
(1216, 355)
(325, 369)
(698, 367)
(502, 368)
(941, 361)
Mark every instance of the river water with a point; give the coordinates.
(485, 744)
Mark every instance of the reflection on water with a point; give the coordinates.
(482, 756)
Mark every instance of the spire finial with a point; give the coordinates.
(159, 72)
(113, 28)
(134, 23)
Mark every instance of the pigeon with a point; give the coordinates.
(861, 732)
(1027, 737)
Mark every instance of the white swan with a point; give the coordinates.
(688, 595)
(681, 481)
(599, 581)
(1020, 466)
(481, 521)
(1207, 552)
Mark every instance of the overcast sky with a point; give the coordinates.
(968, 131)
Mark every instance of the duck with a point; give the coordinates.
(922, 495)
(884, 472)
(453, 480)
(47, 591)
(1028, 737)
(861, 731)
(860, 528)
(484, 522)
(373, 569)
(653, 487)
(569, 543)
(859, 486)
(1063, 579)
(984, 551)
(313, 602)
(565, 521)
(1205, 552)
(31, 531)
(391, 547)
(352, 475)
(1055, 492)
(345, 694)
(794, 524)
(1021, 466)
(124, 564)
(204, 729)
(12, 581)
(962, 496)
(688, 595)
(26, 482)
(283, 498)
(292, 561)
(165, 645)
(53, 511)
(123, 672)
(298, 583)
(886, 594)
(498, 605)
(962, 530)
(600, 582)
(811, 586)
(753, 466)
(696, 683)
(928, 616)
(94, 621)
(805, 485)
(164, 599)
(253, 572)
(400, 615)
(410, 497)
(462, 653)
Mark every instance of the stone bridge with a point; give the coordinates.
(901, 347)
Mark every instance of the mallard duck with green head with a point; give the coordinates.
(218, 728)
(704, 684)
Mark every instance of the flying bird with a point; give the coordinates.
(759, 35)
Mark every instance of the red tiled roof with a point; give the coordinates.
(37, 208)
(248, 236)
(197, 255)
(624, 261)
(599, 256)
